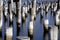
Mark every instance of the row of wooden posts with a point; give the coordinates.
(10, 11)
(13, 12)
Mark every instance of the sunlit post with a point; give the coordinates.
(19, 13)
(9, 30)
(1, 13)
(54, 33)
(32, 22)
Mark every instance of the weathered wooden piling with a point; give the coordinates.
(34, 8)
(1, 13)
(46, 27)
(42, 10)
(55, 8)
(46, 23)
(6, 9)
(24, 14)
(58, 17)
(31, 28)
(1, 18)
(48, 7)
(19, 13)
(54, 33)
(32, 22)
(11, 9)
(9, 33)
(9, 30)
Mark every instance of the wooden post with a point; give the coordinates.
(54, 33)
(55, 8)
(6, 9)
(42, 11)
(31, 28)
(19, 13)
(9, 30)
(48, 7)
(24, 19)
(33, 18)
(6, 14)
(11, 9)
(32, 22)
(1, 13)
(23, 14)
(57, 17)
(46, 26)
(46, 23)
(34, 8)
(9, 33)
